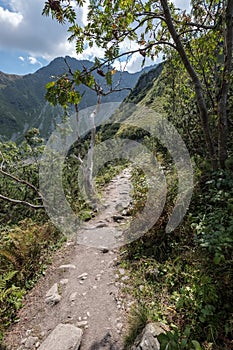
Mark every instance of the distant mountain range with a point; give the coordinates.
(23, 104)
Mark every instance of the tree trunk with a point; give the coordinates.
(196, 81)
(90, 188)
(225, 82)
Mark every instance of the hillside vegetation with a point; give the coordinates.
(183, 278)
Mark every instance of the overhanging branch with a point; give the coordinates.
(17, 201)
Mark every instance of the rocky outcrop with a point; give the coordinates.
(147, 340)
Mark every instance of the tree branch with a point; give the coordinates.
(21, 181)
(17, 201)
(16, 179)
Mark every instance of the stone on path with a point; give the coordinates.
(64, 281)
(73, 296)
(63, 337)
(67, 267)
(30, 342)
(83, 276)
(52, 296)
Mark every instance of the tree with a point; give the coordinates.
(157, 26)
(19, 183)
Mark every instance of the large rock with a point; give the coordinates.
(63, 337)
(147, 340)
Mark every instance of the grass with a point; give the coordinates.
(138, 319)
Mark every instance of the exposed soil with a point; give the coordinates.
(91, 290)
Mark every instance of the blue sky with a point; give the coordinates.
(29, 40)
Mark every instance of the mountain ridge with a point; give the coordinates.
(22, 98)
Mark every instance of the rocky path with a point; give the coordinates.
(82, 288)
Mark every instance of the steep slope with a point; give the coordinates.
(145, 94)
(22, 98)
(144, 84)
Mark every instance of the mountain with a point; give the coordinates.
(23, 104)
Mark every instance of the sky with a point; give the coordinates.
(29, 41)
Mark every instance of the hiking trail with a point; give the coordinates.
(83, 285)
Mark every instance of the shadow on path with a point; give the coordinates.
(106, 343)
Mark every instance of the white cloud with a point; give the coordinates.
(24, 29)
(85, 12)
(33, 60)
(10, 19)
(35, 34)
(90, 52)
(21, 58)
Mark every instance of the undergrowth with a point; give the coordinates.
(185, 278)
(24, 256)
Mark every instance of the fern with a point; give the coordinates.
(5, 278)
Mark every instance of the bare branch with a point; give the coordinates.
(13, 177)
(17, 201)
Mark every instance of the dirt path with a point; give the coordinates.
(90, 285)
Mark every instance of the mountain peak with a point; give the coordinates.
(23, 104)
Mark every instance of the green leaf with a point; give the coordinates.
(108, 77)
(50, 85)
(196, 345)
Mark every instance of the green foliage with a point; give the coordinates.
(185, 278)
(172, 340)
(10, 297)
(62, 92)
(21, 246)
(214, 224)
(23, 254)
(19, 177)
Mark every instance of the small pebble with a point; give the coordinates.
(67, 267)
(73, 296)
(64, 281)
(119, 325)
(122, 271)
(125, 278)
(81, 323)
(28, 332)
(83, 276)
